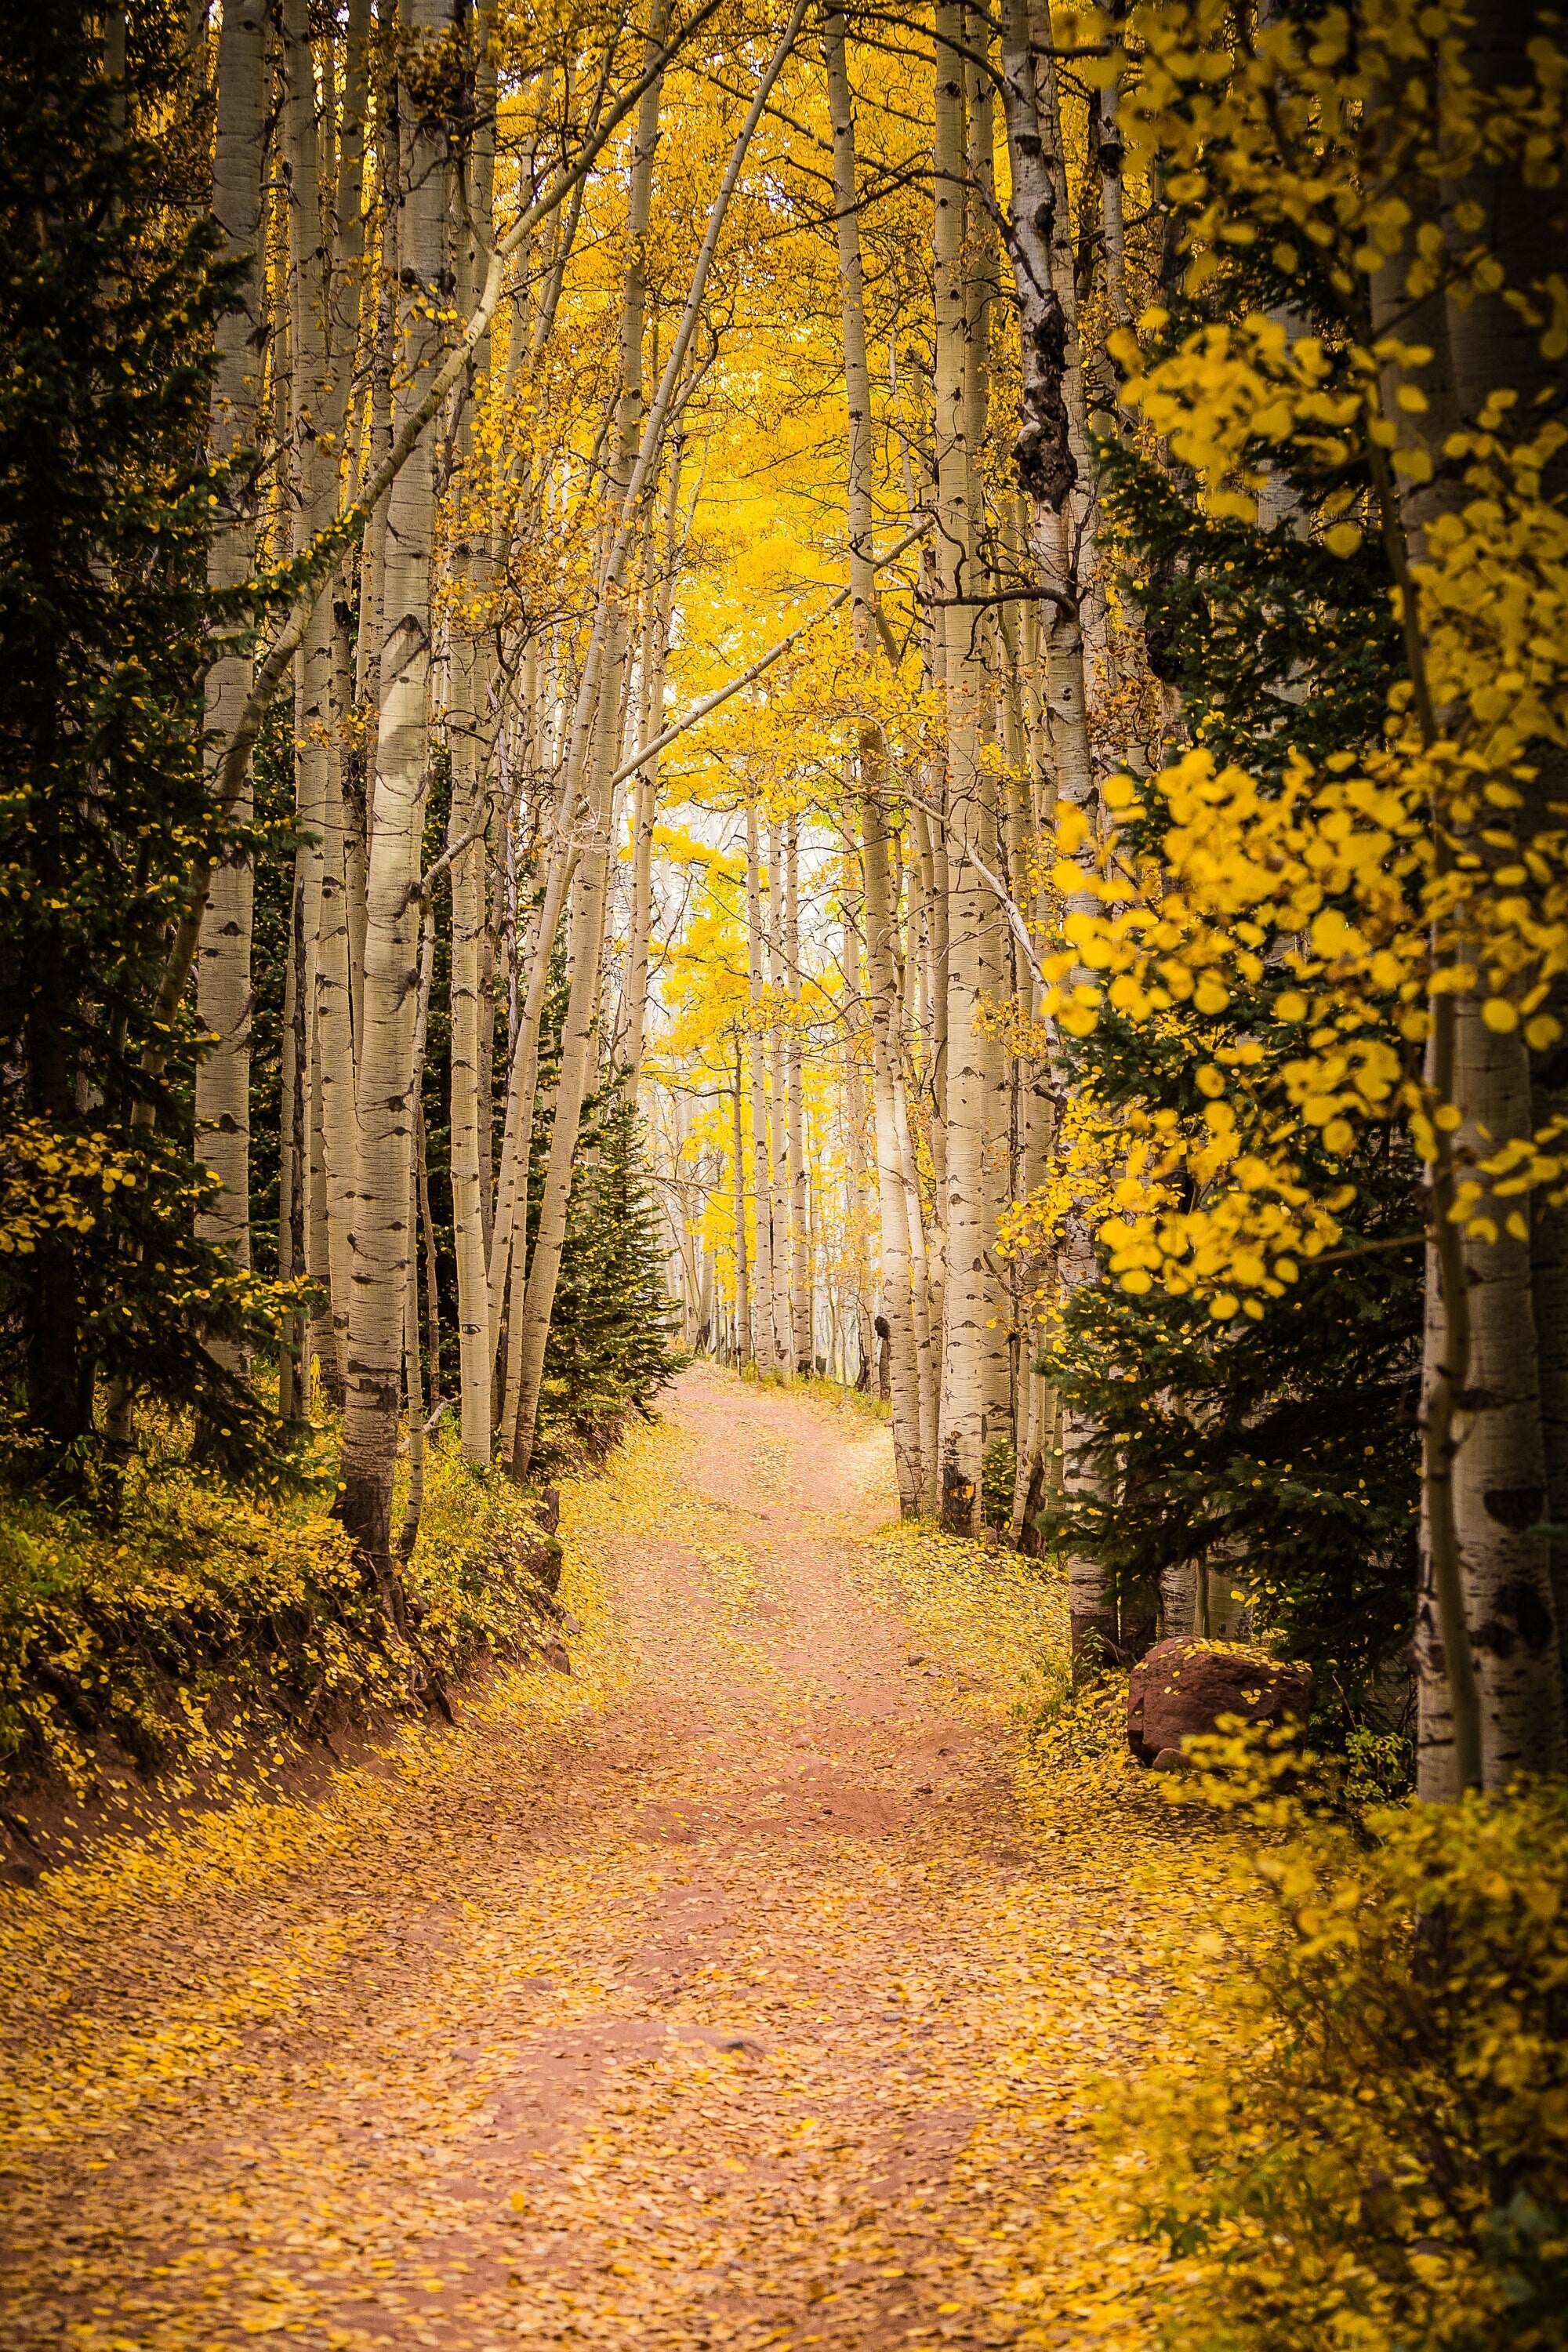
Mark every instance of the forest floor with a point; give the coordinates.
(741, 1989)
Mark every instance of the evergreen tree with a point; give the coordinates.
(108, 293)
(609, 1352)
(1283, 1449)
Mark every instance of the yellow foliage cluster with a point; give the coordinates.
(207, 1620)
(1348, 905)
(50, 1180)
(1340, 884)
(1360, 2138)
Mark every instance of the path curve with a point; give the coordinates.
(719, 1995)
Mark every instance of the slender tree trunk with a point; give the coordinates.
(1488, 1644)
(222, 962)
(471, 1002)
(745, 1346)
(382, 1235)
(881, 981)
(1049, 472)
(801, 1293)
(767, 1342)
(656, 646)
(525, 1085)
(316, 418)
(965, 1286)
(413, 1387)
(781, 1203)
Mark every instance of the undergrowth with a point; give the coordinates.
(203, 1619)
(1356, 2141)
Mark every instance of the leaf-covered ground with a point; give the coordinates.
(744, 1989)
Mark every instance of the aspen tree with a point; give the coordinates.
(981, 293)
(332, 1059)
(745, 1344)
(780, 1200)
(470, 580)
(509, 1261)
(854, 1093)
(896, 1299)
(801, 1288)
(1048, 471)
(383, 1227)
(1484, 1391)
(223, 965)
(656, 651)
(412, 1389)
(965, 1281)
(767, 1343)
(315, 448)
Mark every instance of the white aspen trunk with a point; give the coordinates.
(928, 1369)
(745, 1346)
(472, 1011)
(898, 1308)
(525, 1085)
(656, 648)
(413, 1387)
(767, 1346)
(966, 1286)
(1091, 606)
(577, 1061)
(315, 422)
(332, 1035)
(1050, 472)
(223, 961)
(1488, 1640)
(359, 801)
(1500, 1471)
(982, 290)
(707, 1261)
(854, 1088)
(782, 1202)
(383, 1226)
(801, 1285)
(474, 1349)
(1549, 1287)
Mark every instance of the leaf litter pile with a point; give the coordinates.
(745, 1987)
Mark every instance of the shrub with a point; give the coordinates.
(205, 1619)
(1366, 2144)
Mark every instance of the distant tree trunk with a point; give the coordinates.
(801, 1293)
(745, 1347)
(507, 1241)
(656, 648)
(767, 1345)
(781, 1203)
(413, 1387)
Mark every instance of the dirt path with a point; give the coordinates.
(718, 1995)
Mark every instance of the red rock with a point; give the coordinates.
(1184, 1686)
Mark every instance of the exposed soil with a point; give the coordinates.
(719, 1994)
